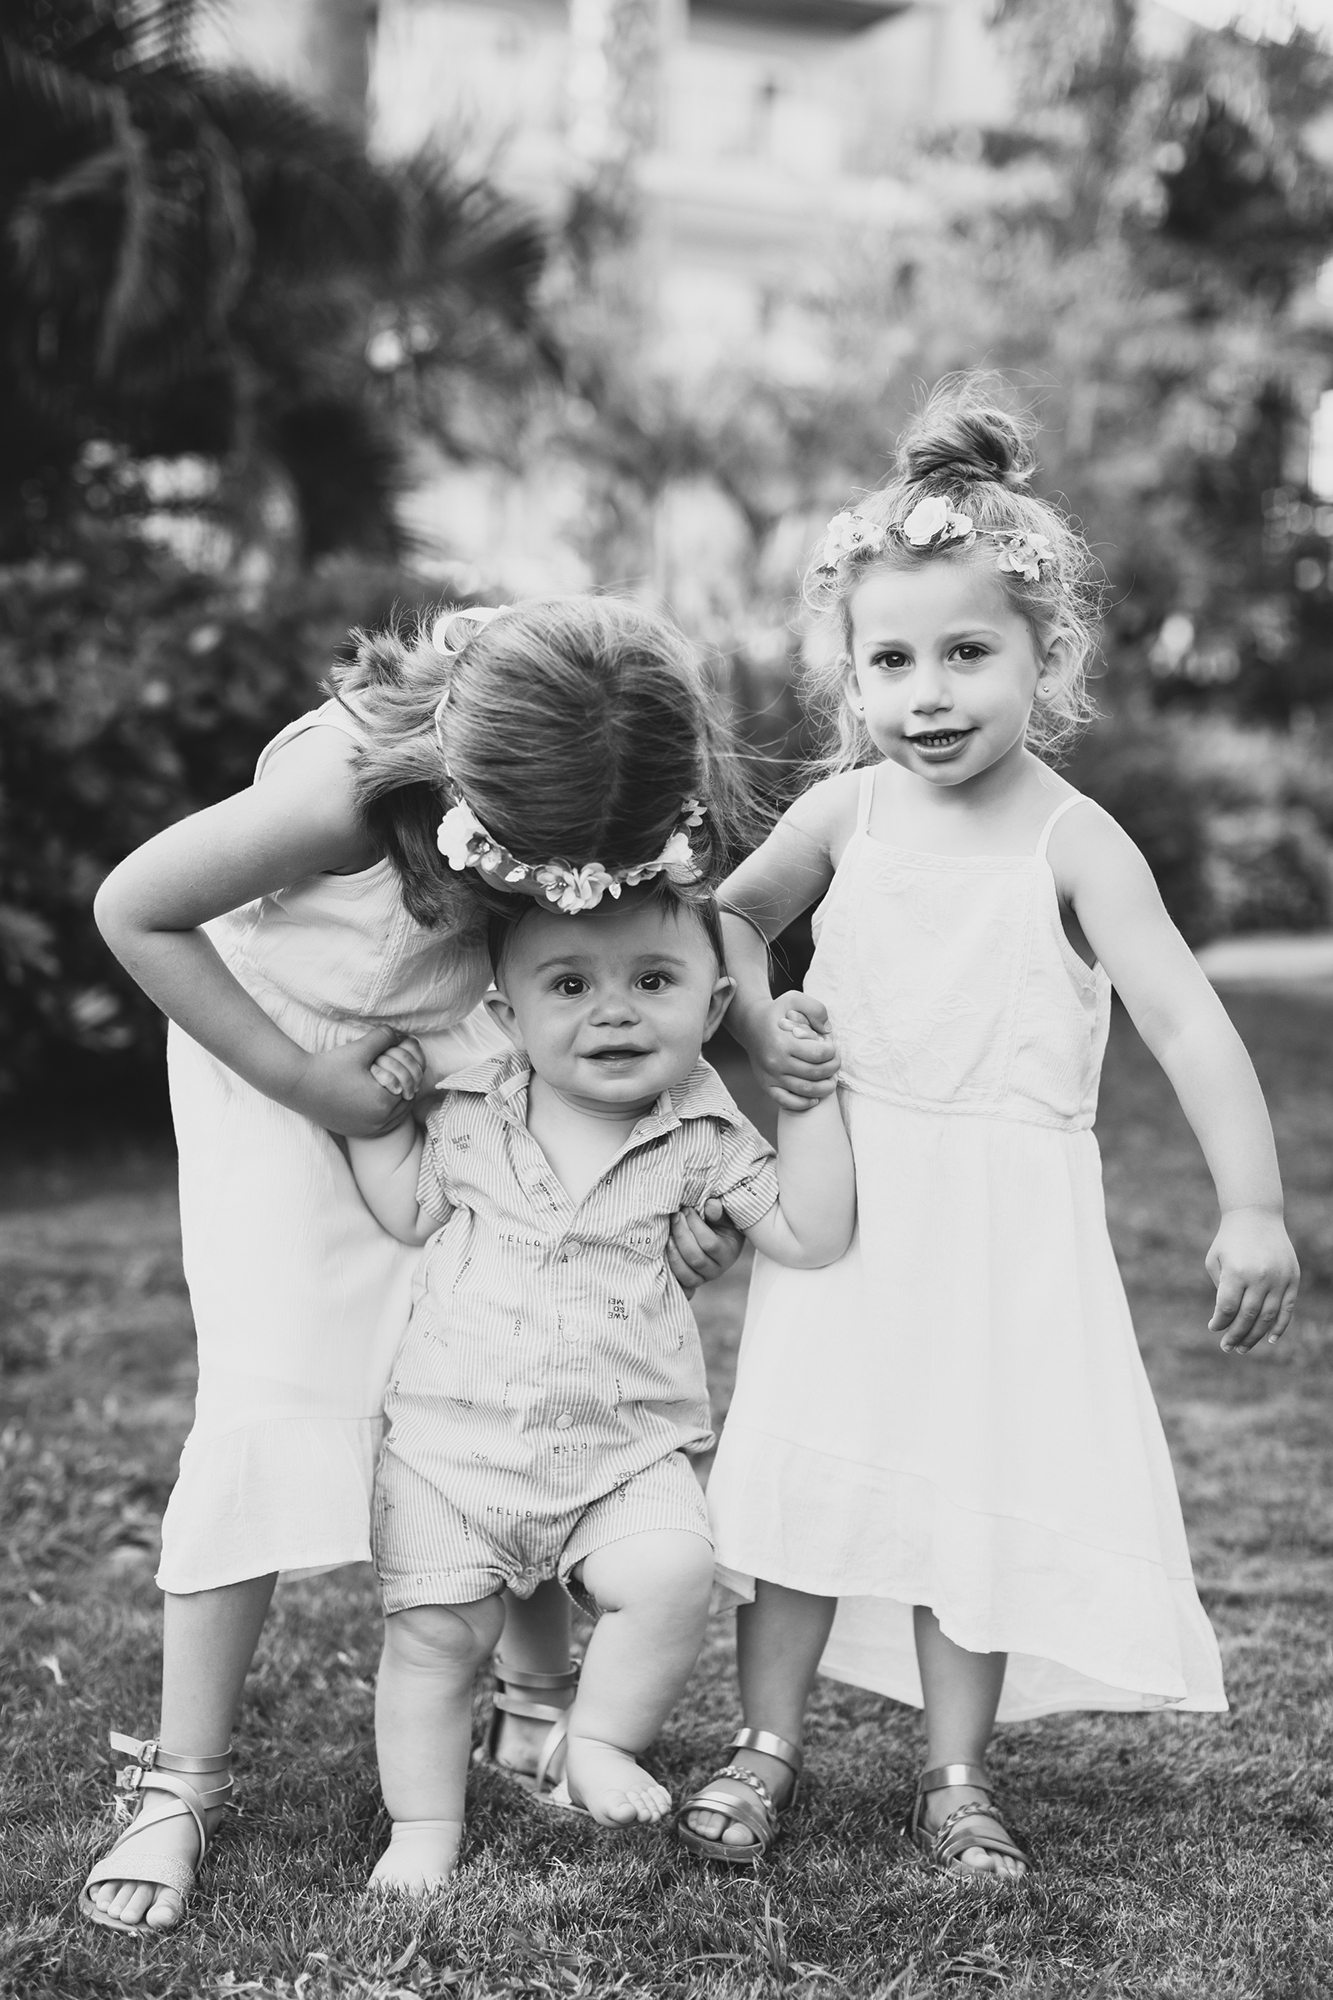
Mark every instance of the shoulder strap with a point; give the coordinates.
(1043, 838)
(331, 715)
(865, 798)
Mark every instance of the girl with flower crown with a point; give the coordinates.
(943, 1475)
(269, 929)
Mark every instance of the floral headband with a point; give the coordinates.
(931, 524)
(465, 843)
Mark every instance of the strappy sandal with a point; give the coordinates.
(514, 1696)
(156, 1770)
(941, 1845)
(759, 1813)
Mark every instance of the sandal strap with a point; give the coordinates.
(159, 1770)
(949, 1839)
(769, 1745)
(737, 1810)
(554, 1754)
(529, 1711)
(512, 1677)
(945, 1775)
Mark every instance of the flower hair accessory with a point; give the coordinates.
(465, 843)
(849, 534)
(932, 522)
(1023, 555)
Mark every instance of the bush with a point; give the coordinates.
(132, 692)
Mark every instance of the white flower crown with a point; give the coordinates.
(465, 843)
(931, 524)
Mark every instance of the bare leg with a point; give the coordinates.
(423, 1732)
(535, 1641)
(208, 1641)
(653, 1592)
(962, 1693)
(779, 1640)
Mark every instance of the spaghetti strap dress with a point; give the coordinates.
(955, 1414)
(299, 1297)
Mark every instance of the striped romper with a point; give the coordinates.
(550, 1387)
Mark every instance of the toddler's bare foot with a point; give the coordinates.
(421, 1856)
(608, 1783)
(973, 1860)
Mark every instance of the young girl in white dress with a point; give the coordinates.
(270, 929)
(943, 1475)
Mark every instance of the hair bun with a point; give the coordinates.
(958, 440)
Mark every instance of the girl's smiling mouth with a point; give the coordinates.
(938, 743)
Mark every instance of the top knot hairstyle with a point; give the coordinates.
(579, 730)
(958, 492)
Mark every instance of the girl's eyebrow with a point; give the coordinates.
(953, 636)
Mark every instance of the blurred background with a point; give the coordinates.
(317, 314)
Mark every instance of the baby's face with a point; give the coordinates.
(614, 1005)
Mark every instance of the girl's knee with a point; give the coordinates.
(461, 1636)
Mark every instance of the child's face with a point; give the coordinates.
(611, 1006)
(944, 670)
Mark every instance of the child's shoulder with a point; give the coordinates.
(827, 809)
(484, 1080)
(704, 1095)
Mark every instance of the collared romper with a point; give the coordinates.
(955, 1413)
(550, 1388)
(299, 1297)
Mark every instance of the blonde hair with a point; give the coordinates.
(575, 728)
(965, 450)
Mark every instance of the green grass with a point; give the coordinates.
(1179, 1856)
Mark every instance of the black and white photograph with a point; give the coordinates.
(666, 999)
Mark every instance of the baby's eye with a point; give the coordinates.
(654, 982)
(569, 986)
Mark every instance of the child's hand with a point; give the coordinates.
(702, 1245)
(1254, 1267)
(401, 1068)
(794, 1056)
(338, 1088)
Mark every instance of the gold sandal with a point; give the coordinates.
(760, 1814)
(156, 1770)
(514, 1696)
(941, 1845)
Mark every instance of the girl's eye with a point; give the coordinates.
(571, 986)
(970, 652)
(892, 663)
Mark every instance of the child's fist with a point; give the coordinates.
(1254, 1267)
(401, 1068)
(794, 1056)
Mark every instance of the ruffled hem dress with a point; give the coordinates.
(299, 1297)
(956, 1413)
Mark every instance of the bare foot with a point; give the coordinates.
(973, 1860)
(775, 1774)
(149, 1904)
(421, 1856)
(608, 1783)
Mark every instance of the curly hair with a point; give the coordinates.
(575, 728)
(965, 450)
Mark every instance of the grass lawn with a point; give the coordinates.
(1179, 1856)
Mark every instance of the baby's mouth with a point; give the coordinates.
(623, 1053)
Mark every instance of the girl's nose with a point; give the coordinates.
(930, 692)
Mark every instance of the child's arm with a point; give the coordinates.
(299, 820)
(811, 1223)
(791, 870)
(387, 1168)
(1109, 885)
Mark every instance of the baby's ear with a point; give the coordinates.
(724, 988)
(502, 1011)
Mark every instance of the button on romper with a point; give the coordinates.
(956, 1414)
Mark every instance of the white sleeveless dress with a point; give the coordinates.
(299, 1297)
(956, 1414)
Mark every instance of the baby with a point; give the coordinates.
(550, 1389)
